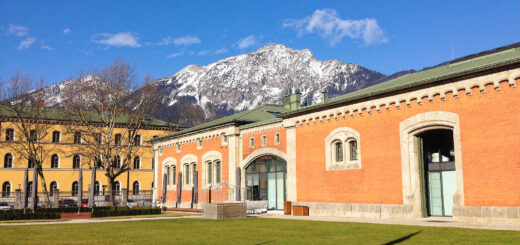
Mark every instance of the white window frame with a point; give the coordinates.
(59, 136)
(58, 160)
(277, 138)
(224, 139)
(199, 143)
(14, 134)
(252, 142)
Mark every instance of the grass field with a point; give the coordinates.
(247, 231)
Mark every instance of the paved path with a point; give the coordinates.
(436, 222)
(86, 221)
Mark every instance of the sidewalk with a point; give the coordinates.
(85, 221)
(432, 221)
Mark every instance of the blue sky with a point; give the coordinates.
(56, 39)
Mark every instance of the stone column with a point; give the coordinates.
(124, 191)
(18, 199)
(55, 198)
(291, 162)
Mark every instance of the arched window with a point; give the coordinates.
(338, 151)
(97, 188)
(117, 187)
(29, 188)
(9, 134)
(174, 174)
(55, 161)
(76, 161)
(137, 162)
(56, 135)
(53, 187)
(218, 171)
(352, 145)
(117, 162)
(75, 188)
(6, 189)
(342, 149)
(136, 188)
(209, 172)
(8, 160)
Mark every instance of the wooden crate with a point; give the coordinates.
(287, 207)
(300, 211)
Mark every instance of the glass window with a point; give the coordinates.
(251, 142)
(53, 187)
(353, 149)
(137, 162)
(277, 138)
(55, 160)
(77, 137)
(178, 147)
(33, 135)
(218, 171)
(338, 146)
(9, 134)
(136, 188)
(224, 139)
(8, 160)
(137, 140)
(210, 173)
(6, 189)
(75, 188)
(30, 163)
(98, 138)
(194, 168)
(97, 188)
(117, 188)
(117, 162)
(264, 140)
(76, 161)
(174, 176)
(199, 143)
(117, 139)
(56, 136)
(186, 174)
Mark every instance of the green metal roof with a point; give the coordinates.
(257, 115)
(61, 115)
(500, 57)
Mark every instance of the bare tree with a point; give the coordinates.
(99, 107)
(23, 107)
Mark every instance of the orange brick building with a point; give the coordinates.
(440, 142)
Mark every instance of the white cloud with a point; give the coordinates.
(165, 41)
(204, 52)
(16, 30)
(246, 42)
(328, 25)
(26, 43)
(221, 51)
(44, 46)
(67, 30)
(173, 55)
(122, 39)
(186, 40)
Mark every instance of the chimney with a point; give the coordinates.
(323, 92)
(41, 103)
(292, 101)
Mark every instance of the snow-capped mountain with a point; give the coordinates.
(200, 93)
(246, 81)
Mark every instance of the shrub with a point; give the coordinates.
(19, 215)
(118, 211)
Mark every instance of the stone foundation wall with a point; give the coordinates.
(508, 215)
(356, 210)
(224, 210)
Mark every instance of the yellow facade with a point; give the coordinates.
(64, 175)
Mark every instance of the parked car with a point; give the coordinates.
(67, 203)
(131, 204)
(84, 202)
(5, 206)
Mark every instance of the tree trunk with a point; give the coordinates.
(111, 193)
(44, 187)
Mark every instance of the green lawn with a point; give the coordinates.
(246, 231)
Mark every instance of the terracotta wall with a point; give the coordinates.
(212, 144)
(490, 135)
(246, 149)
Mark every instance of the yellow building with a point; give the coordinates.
(63, 162)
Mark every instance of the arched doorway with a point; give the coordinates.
(437, 158)
(265, 180)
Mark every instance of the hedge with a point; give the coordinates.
(19, 215)
(123, 212)
(62, 210)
